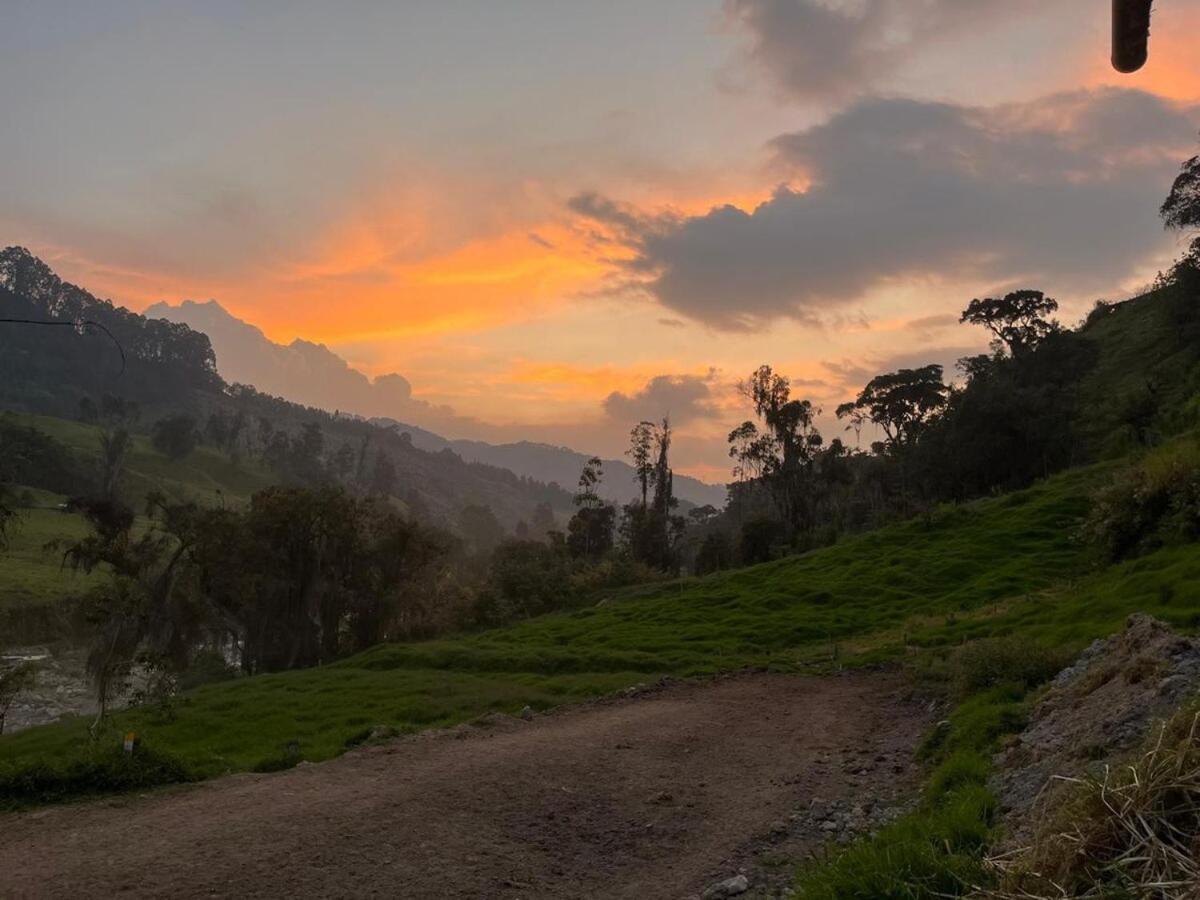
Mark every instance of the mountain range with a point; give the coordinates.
(312, 374)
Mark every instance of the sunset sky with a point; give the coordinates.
(556, 218)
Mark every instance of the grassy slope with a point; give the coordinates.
(987, 567)
(30, 575)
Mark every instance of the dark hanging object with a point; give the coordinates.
(1131, 34)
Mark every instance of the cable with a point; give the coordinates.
(78, 326)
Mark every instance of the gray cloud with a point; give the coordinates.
(1060, 192)
(684, 398)
(821, 50)
(852, 375)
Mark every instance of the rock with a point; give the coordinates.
(527, 713)
(730, 887)
(1096, 709)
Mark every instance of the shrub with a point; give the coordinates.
(104, 771)
(1150, 504)
(990, 662)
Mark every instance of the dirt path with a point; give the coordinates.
(652, 796)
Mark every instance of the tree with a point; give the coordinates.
(589, 480)
(590, 530)
(543, 521)
(383, 475)
(1181, 212)
(901, 402)
(481, 528)
(641, 444)
(1017, 320)
(715, 553)
(176, 436)
(781, 453)
(114, 447)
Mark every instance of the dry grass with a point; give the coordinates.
(1133, 831)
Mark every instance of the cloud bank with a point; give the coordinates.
(1062, 191)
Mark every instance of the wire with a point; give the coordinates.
(78, 326)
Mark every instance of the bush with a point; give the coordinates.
(990, 662)
(110, 770)
(1153, 503)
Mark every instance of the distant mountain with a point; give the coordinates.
(316, 376)
(301, 371)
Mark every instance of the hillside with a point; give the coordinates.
(170, 369)
(314, 375)
(990, 567)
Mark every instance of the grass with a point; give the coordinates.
(31, 575)
(205, 475)
(33, 587)
(937, 850)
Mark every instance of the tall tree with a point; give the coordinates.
(641, 446)
(901, 403)
(1181, 212)
(780, 453)
(1018, 320)
(590, 530)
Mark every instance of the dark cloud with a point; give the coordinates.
(672, 323)
(1061, 192)
(684, 398)
(852, 375)
(818, 50)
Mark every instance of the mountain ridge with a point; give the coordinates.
(309, 372)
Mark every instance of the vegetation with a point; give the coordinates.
(1130, 832)
(996, 567)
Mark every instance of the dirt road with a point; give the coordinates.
(652, 796)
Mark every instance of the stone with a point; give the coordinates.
(730, 887)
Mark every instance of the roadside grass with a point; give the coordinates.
(936, 850)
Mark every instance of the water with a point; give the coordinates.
(61, 686)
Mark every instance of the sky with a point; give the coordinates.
(552, 219)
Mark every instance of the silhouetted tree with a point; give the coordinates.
(641, 446)
(590, 530)
(1017, 320)
(781, 453)
(901, 403)
(1181, 212)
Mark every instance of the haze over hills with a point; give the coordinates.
(311, 373)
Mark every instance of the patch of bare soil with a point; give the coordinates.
(658, 795)
(1094, 713)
